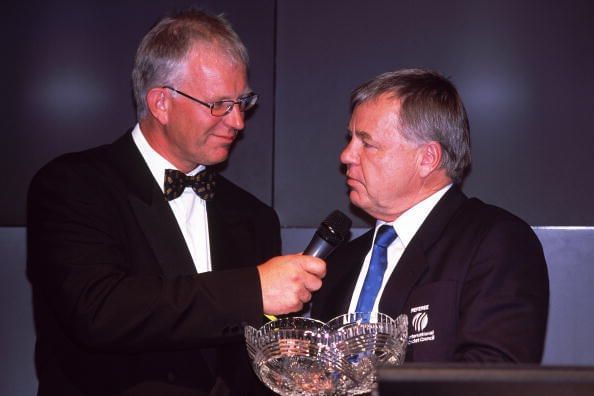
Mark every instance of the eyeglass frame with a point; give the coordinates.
(231, 103)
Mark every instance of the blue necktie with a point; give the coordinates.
(377, 266)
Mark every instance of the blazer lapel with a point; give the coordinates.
(152, 211)
(413, 262)
(355, 258)
(411, 266)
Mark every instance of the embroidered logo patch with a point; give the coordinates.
(420, 321)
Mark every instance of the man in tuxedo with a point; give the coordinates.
(145, 264)
(470, 277)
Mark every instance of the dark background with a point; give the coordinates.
(523, 69)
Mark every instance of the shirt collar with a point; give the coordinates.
(409, 222)
(156, 163)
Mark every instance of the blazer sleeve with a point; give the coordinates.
(504, 298)
(83, 274)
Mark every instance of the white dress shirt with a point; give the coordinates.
(406, 227)
(189, 209)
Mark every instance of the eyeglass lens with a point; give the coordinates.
(223, 107)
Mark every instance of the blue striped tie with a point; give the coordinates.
(377, 266)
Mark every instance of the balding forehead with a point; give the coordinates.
(216, 49)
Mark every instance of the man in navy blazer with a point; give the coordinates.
(145, 264)
(471, 277)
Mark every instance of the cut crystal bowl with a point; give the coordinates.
(303, 356)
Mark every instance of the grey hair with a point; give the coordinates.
(430, 110)
(163, 50)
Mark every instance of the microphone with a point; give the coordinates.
(331, 233)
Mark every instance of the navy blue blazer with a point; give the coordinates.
(473, 282)
(119, 307)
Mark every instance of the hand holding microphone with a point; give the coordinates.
(288, 281)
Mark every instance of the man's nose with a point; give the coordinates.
(235, 118)
(347, 156)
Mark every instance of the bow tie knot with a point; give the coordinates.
(175, 182)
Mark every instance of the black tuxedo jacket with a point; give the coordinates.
(119, 307)
(472, 281)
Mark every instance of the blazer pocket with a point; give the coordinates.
(432, 311)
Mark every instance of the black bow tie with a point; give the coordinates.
(175, 183)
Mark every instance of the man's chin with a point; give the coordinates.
(356, 199)
(216, 159)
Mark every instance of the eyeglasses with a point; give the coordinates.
(223, 107)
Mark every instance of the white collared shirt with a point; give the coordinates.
(406, 227)
(189, 209)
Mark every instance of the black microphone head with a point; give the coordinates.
(335, 228)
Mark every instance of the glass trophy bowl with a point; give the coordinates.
(303, 356)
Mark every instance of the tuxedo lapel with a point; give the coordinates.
(413, 262)
(152, 211)
(220, 229)
(228, 229)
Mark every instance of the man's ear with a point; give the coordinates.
(431, 154)
(158, 103)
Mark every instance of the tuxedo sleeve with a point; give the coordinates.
(504, 298)
(81, 270)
